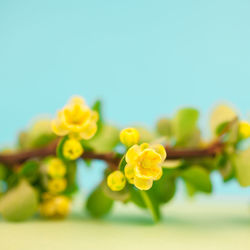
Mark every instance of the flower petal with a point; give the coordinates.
(132, 155)
(76, 100)
(148, 158)
(58, 127)
(89, 131)
(129, 173)
(147, 173)
(144, 146)
(143, 184)
(160, 150)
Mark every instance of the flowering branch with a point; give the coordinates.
(111, 158)
(49, 165)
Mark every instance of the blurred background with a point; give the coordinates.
(144, 59)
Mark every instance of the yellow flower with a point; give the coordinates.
(72, 149)
(56, 168)
(57, 185)
(129, 136)
(244, 129)
(116, 181)
(144, 164)
(62, 204)
(76, 118)
(58, 206)
(47, 208)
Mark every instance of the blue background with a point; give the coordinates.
(143, 58)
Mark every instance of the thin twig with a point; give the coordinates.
(16, 158)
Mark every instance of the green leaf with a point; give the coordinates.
(122, 163)
(20, 203)
(136, 197)
(30, 170)
(97, 106)
(164, 189)
(106, 140)
(3, 172)
(191, 190)
(185, 124)
(242, 167)
(59, 149)
(42, 140)
(220, 116)
(151, 204)
(198, 177)
(227, 172)
(72, 186)
(38, 135)
(145, 134)
(164, 127)
(99, 204)
(171, 164)
(123, 195)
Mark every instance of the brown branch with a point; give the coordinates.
(112, 159)
(16, 158)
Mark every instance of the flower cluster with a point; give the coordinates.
(143, 163)
(77, 121)
(54, 204)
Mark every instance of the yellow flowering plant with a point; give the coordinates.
(143, 166)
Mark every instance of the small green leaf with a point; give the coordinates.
(220, 116)
(30, 170)
(145, 134)
(164, 127)
(123, 195)
(172, 164)
(42, 140)
(185, 123)
(97, 106)
(198, 177)
(59, 149)
(72, 186)
(20, 203)
(3, 172)
(106, 140)
(242, 166)
(122, 164)
(227, 171)
(98, 204)
(191, 190)
(164, 189)
(136, 197)
(151, 204)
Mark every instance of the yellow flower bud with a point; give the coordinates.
(244, 129)
(57, 185)
(56, 168)
(62, 204)
(58, 206)
(129, 136)
(72, 149)
(116, 181)
(47, 209)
